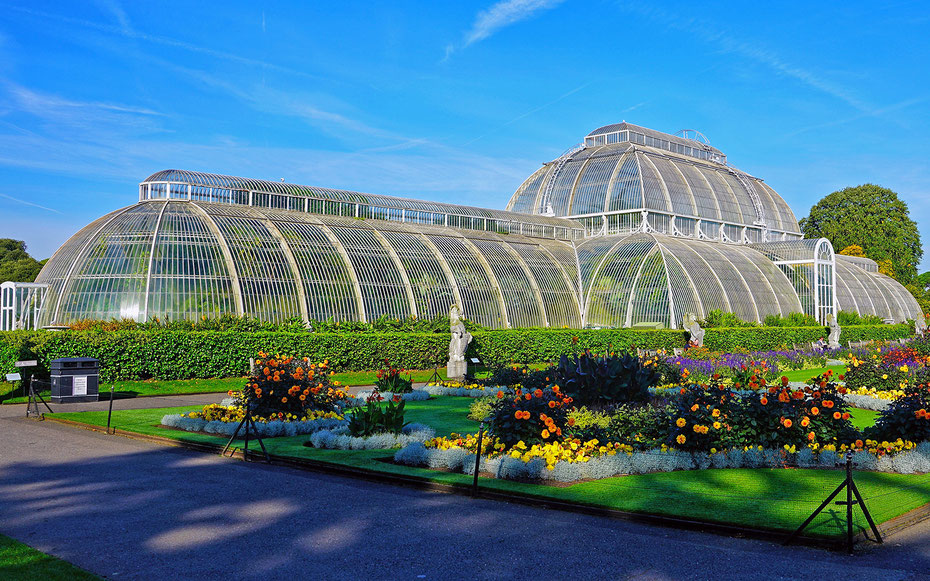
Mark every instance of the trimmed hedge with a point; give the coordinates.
(170, 354)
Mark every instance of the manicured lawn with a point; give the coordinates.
(19, 562)
(779, 499)
(805, 374)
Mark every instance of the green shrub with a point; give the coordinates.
(644, 427)
(162, 353)
(905, 418)
(791, 320)
(480, 408)
(605, 380)
(718, 318)
(847, 318)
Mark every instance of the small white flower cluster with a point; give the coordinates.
(438, 390)
(270, 429)
(415, 395)
(339, 439)
(508, 467)
(866, 402)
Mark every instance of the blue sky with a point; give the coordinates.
(448, 101)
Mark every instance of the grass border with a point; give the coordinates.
(422, 483)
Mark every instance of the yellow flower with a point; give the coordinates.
(680, 439)
(716, 425)
(680, 422)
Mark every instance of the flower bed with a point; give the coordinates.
(340, 439)
(267, 428)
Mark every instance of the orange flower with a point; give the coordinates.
(500, 395)
(784, 381)
(811, 436)
(827, 403)
(764, 401)
(845, 415)
(528, 397)
(787, 423)
(552, 404)
(545, 433)
(518, 414)
(526, 415)
(538, 393)
(571, 421)
(558, 431)
(859, 443)
(805, 422)
(680, 439)
(814, 411)
(303, 397)
(694, 408)
(284, 400)
(837, 415)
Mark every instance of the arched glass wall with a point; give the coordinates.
(185, 260)
(869, 293)
(648, 279)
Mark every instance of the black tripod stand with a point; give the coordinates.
(249, 424)
(32, 408)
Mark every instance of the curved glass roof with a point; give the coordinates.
(651, 278)
(184, 260)
(871, 293)
(173, 184)
(643, 169)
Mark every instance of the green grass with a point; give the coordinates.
(777, 499)
(805, 374)
(19, 562)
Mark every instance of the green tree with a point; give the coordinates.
(15, 262)
(874, 218)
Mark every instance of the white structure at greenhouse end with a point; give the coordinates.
(631, 228)
(21, 304)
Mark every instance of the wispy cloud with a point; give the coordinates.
(530, 112)
(500, 15)
(25, 203)
(728, 43)
(873, 113)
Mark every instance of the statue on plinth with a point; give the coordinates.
(458, 344)
(833, 339)
(695, 330)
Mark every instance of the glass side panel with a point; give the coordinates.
(432, 292)
(523, 308)
(477, 290)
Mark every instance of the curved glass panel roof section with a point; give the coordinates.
(175, 184)
(625, 168)
(868, 292)
(183, 260)
(651, 279)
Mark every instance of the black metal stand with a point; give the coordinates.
(435, 377)
(110, 413)
(851, 490)
(248, 422)
(32, 407)
(474, 484)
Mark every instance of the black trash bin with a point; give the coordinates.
(75, 379)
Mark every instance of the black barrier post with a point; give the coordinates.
(851, 490)
(474, 485)
(110, 413)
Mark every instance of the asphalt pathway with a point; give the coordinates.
(127, 509)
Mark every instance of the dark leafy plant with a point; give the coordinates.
(605, 380)
(907, 417)
(372, 419)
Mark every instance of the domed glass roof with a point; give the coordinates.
(624, 168)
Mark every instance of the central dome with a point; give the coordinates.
(623, 170)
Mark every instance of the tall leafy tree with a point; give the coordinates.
(15, 262)
(874, 218)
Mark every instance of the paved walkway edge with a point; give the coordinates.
(887, 528)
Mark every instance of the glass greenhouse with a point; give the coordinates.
(631, 228)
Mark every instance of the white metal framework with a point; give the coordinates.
(653, 227)
(21, 304)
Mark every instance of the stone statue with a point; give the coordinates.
(457, 367)
(920, 324)
(833, 340)
(695, 330)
